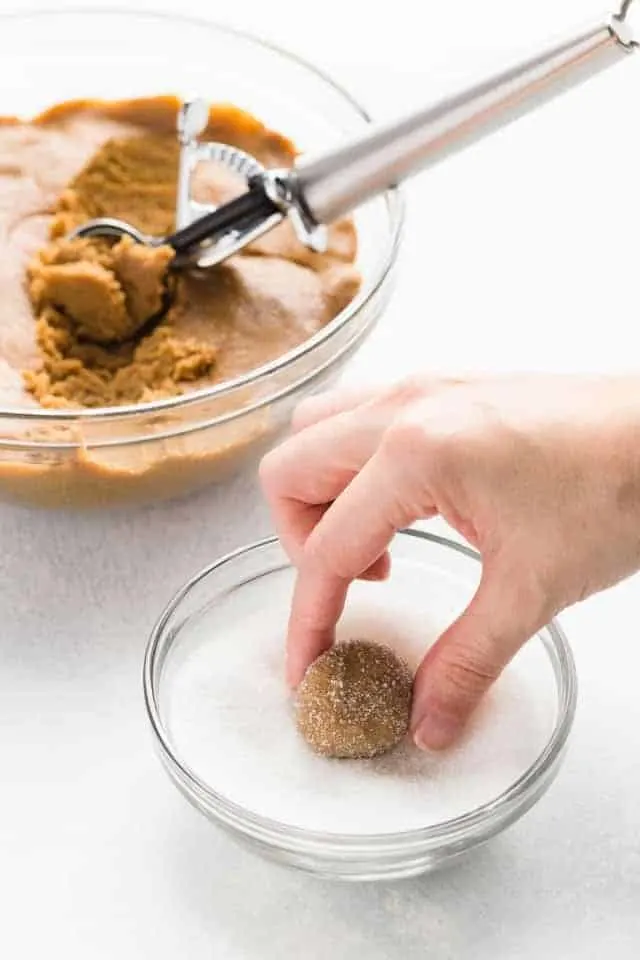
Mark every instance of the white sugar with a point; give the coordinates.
(231, 719)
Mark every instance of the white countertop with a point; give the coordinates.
(516, 258)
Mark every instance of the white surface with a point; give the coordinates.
(517, 256)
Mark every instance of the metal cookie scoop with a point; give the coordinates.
(317, 191)
(208, 243)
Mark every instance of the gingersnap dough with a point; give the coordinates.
(75, 329)
(354, 701)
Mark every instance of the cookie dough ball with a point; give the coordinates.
(354, 701)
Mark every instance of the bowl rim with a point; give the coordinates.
(394, 200)
(518, 795)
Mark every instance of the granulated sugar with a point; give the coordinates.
(231, 716)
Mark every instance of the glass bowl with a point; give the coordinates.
(214, 730)
(164, 449)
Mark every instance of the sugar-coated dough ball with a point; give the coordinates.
(354, 700)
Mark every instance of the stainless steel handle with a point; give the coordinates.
(335, 184)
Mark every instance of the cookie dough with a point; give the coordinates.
(68, 164)
(354, 701)
(81, 326)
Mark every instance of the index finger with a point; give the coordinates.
(322, 406)
(355, 530)
(317, 605)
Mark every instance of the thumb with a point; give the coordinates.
(469, 657)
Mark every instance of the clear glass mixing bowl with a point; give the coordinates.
(167, 448)
(231, 593)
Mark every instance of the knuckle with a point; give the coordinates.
(404, 392)
(444, 448)
(270, 472)
(303, 413)
(468, 675)
(404, 438)
(426, 435)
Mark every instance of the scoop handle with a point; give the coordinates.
(332, 185)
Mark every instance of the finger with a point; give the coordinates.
(306, 473)
(295, 468)
(316, 463)
(380, 570)
(316, 607)
(295, 523)
(359, 525)
(467, 659)
(315, 611)
(314, 466)
(353, 533)
(325, 405)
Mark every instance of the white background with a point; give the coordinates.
(520, 254)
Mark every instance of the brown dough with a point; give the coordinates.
(90, 344)
(354, 701)
(108, 291)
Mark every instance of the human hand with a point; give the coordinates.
(540, 473)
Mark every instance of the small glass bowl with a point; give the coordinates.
(159, 450)
(443, 568)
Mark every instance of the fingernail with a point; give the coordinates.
(436, 730)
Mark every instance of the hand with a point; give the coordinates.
(541, 474)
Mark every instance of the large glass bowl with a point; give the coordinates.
(164, 449)
(189, 721)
